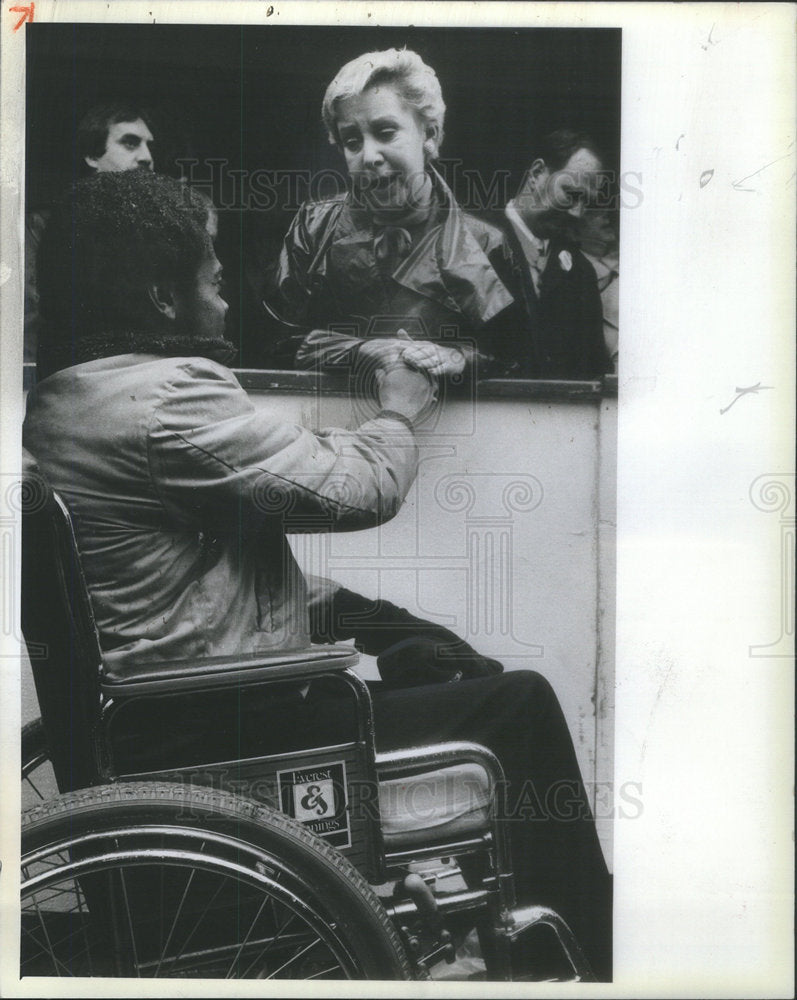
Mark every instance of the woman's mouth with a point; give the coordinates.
(380, 184)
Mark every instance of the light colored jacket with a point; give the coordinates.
(182, 493)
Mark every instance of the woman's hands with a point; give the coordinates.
(422, 355)
(434, 358)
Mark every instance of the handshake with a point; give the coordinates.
(406, 371)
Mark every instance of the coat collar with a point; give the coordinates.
(447, 264)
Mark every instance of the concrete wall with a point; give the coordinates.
(507, 538)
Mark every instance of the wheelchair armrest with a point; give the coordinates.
(181, 676)
(432, 794)
(417, 760)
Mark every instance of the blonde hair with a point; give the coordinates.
(416, 82)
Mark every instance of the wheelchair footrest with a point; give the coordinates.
(523, 918)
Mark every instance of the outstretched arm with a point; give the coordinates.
(217, 459)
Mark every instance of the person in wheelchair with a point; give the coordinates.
(182, 493)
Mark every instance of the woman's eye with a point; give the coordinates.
(352, 145)
(386, 133)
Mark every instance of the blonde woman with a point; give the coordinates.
(393, 268)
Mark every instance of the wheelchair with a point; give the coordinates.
(318, 862)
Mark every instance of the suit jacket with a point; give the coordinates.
(564, 321)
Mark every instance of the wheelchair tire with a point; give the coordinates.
(157, 879)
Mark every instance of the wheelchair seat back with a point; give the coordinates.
(60, 634)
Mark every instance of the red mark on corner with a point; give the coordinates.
(26, 12)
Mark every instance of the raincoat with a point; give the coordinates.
(331, 293)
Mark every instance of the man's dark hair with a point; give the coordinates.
(112, 237)
(556, 148)
(92, 132)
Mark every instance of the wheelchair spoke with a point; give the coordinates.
(129, 921)
(73, 954)
(243, 943)
(50, 949)
(295, 957)
(208, 908)
(52, 945)
(261, 957)
(177, 916)
(324, 972)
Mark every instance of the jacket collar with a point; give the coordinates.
(524, 234)
(56, 354)
(555, 272)
(446, 265)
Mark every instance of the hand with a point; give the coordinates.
(406, 391)
(434, 358)
(381, 352)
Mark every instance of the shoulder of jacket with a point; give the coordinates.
(202, 367)
(320, 208)
(316, 216)
(584, 264)
(196, 390)
(484, 230)
(177, 375)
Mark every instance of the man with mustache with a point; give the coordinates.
(553, 280)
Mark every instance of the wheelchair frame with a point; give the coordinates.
(402, 934)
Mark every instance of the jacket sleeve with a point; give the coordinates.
(295, 294)
(288, 287)
(595, 352)
(218, 462)
(328, 350)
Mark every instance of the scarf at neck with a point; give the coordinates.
(394, 230)
(417, 211)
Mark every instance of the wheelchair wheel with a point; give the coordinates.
(152, 879)
(38, 779)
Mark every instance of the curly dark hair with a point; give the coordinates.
(92, 132)
(108, 241)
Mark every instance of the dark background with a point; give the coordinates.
(251, 97)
